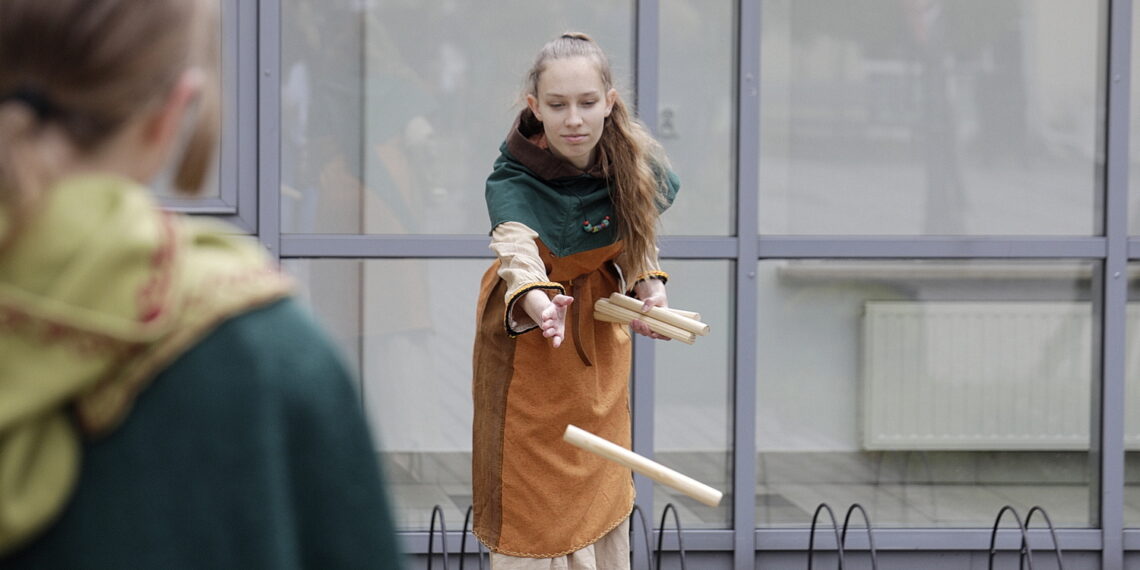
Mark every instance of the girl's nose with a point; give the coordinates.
(574, 118)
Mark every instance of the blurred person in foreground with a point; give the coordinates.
(164, 403)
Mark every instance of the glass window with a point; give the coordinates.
(930, 117)
(408, 326)
(1134, 133)
(930, 392)
(227, 97)
(696, 117)
(393, 112)
(693, 389)
(1132, 401)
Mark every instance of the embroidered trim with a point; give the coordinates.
(660, 275)
(107, 403)
(595, 228)
(152, 296)
(652, 275)
(86, 343)
(550, 285)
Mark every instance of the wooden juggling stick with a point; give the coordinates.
(656, 471)
(664, 315)
(690, 314)
(607, 311)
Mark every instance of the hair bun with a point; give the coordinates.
(576, 36)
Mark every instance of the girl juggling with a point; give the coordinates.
(574, 202)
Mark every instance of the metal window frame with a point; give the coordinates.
(237, 179)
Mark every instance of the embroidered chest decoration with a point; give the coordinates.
(595, 228)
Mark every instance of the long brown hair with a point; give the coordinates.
(633, 160)
(74, 72)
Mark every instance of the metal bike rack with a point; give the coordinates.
(661, 535)
(1026, 556)
(463, 540)
(867, 524)
(436, 510)
(1025, 553)
(1052, 532)
(841, 535)
(834, 526)
(655, 556)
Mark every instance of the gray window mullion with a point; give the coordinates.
(1108, 405)
(747, 149)
(647, 60)
(269, 125)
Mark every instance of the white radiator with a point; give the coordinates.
(983, 376)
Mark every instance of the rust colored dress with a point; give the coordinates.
(535, 495)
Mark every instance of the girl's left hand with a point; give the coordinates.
(652, 294)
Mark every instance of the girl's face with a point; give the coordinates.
(572, 103)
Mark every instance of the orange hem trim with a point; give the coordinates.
(572, 550)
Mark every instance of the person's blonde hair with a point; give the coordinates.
(74, 72)
(634, 161)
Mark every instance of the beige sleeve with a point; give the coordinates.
(521, 267)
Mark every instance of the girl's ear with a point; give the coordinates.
(611, 98)
(532, 103)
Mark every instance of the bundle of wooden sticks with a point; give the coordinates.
(684, 326)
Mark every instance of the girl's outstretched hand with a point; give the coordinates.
(552, 321)
(652, 294)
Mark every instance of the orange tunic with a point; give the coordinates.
(534, 494)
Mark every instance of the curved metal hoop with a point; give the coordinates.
(1025, 552)
(436, 510)
(1052, 532)
(644, 531)
(834, 527)
(661, 535)
(463, 540)
(870, 536)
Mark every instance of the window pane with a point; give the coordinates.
(226, 66)
(408, 326)
(930, 392)
(930, 117)
(696, 119)
(393, 112)
(693, 409)
(1132, 401)
(1134, 135)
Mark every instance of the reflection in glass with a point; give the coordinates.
(1132, 401)
(930, 392)
(164, 186)
(692, 385)
(930, 117)
(408, 327)
(695, 120)
(393, 112)
(1134, 137)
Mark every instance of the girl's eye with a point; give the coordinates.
(556, 105)
(588, 103)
